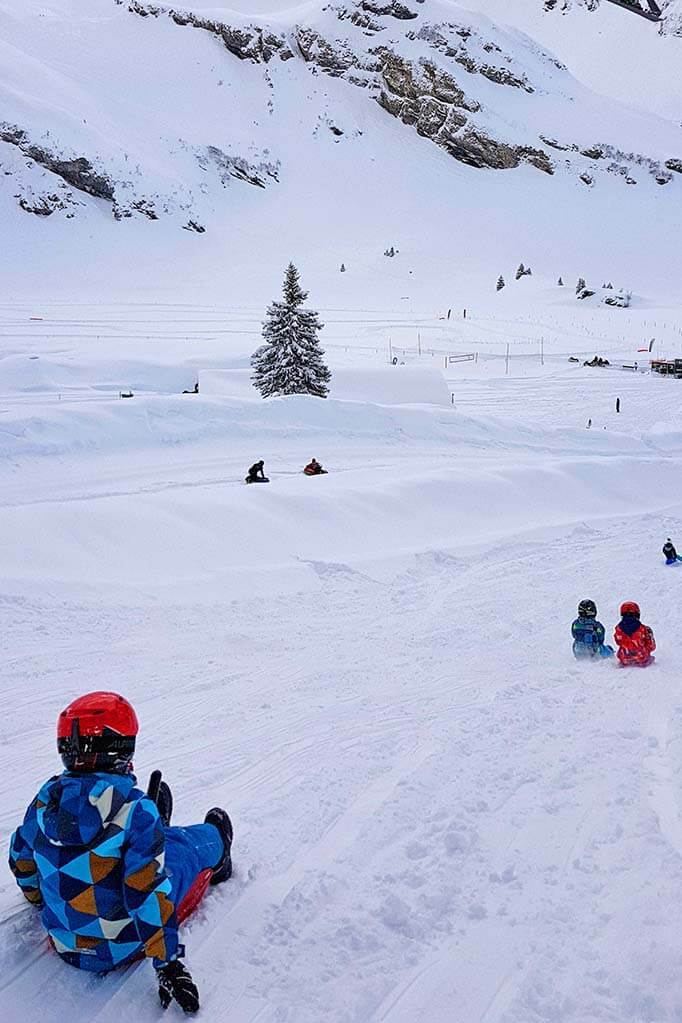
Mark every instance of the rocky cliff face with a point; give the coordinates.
(486, 95)
(670, 10)
(426, 92)
(423, 71)
(671, 21)
(419, 70)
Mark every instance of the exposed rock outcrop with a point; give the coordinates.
(77, 172)
(237, 167)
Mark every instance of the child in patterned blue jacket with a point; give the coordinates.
(98, 856)
(589, 634)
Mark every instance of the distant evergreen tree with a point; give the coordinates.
(291, 360)
(500, 283)
(580, 286)
(520, 271)
(343, 268)
(560, 283)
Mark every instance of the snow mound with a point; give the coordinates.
(393, 385)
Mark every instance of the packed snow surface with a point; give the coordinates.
(439, 814)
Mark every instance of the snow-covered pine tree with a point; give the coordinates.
(500, 283)
(520, 271)
(291, 360)
(580, 286)
(560, 283)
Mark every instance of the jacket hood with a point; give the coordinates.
(629, 624)
(75, 809)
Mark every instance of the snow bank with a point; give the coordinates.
(383, 385)
(391, 385)
(107, 371)
(148, 422)
(206, 533)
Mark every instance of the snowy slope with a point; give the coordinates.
(439, 814)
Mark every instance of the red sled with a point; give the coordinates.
(194, 896)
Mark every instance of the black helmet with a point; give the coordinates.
(587, 609)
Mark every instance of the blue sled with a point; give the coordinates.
(673, 561)
(585, 652)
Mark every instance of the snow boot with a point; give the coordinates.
(220, 820)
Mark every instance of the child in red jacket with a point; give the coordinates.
(636, 642)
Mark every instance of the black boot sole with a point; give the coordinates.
(220, 820)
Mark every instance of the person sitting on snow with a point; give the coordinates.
(588, 634)
(313, 468)
(256, 474)
(669, 552)
(636, 642)
(98, 858)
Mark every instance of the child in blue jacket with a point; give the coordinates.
(589, 634)
(99, 859)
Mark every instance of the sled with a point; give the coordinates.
(194, 896)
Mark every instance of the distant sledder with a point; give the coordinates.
(589, 634)
(313, 468)
(636, 642)
(256, 474)
(670, 554)
(98, 857)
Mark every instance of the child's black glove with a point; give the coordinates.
(175, 982)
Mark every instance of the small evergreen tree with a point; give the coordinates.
(343, 268)
(290, 361)
(580, 286)
(520, 271)
(560, 283)
(500, 283)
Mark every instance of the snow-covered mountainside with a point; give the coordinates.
(666, 13)
(210, 120)
(490, 97)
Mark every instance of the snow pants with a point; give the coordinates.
(191, 854)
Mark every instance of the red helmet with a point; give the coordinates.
(630, 608)
(97, 733)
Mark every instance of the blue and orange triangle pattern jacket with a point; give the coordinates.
(90, 854)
